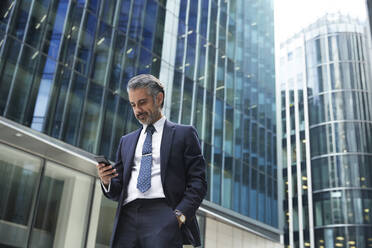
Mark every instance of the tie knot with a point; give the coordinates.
(150, 128)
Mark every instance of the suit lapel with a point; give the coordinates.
(166, 144)
(129, 154)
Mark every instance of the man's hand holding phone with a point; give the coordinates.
(105, 170)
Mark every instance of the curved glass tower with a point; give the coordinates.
(341, 136)
(326, 134)
(64, 68)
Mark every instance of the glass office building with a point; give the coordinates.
(325, 132)
(64, 67)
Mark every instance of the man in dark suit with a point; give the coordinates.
(158, 178)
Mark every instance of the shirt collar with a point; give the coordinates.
(157, 125)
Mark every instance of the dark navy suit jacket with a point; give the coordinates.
(182, 169)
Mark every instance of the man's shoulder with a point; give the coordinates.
(181, 127)
(131, 134)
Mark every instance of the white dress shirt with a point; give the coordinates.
(156, 189)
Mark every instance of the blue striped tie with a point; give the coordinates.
(144, 177)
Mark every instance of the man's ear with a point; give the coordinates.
(160, 98)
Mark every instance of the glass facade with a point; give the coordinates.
(223, 85)
(64, 66)
(326, 137)
(42, 204)
(45, 204)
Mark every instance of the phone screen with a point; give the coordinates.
(102, 160)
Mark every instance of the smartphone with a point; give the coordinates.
(102, 160)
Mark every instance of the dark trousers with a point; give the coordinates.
(148, 223)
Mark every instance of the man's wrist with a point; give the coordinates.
(180, 216)
(106, 187)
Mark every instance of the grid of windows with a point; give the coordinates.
(65, 65)
(326, 137)
(223, 85)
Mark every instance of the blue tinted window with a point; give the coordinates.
(253, 195)
(145, 61)
(187, 101)
(118, 55)
(182, 14)
(201, 62)
(237, 186)
(158, 43)
(12, 48)
(176, 95)
(135, 24)
(227, 181)
(124, 15)
(193, 14)
(91, 118)
(74, 109)
(93, 5)
(108, 12)
(246, 191)
(6, 8)
(43, 95)
(22, 15)
(218, 123)
(198, 114)
(149, 24)
(105, 146)
(190, 55)
(204, 18)
(58, 100)
(261, 198)
(217, 163)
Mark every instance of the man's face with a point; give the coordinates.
(144, 108)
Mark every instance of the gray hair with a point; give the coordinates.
(149, 82)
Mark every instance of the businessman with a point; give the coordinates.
(158, 178)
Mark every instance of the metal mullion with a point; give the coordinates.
(205, 98)
(35, 203)
(329, 95)
(197, 51)
(206, 73)
(107, 79)
(235, 135)
(69, 88)
(250, 118)
(234, 107)
(224, 97)
(89, 79)
(184, 61)
(289, 168)
(225, 89)
(308, 154)
(18, 60)
(298, 168)
(214, 105)
(38, 62)
(250, 169)
(279, 154)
